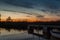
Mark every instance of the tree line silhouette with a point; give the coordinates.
(24, 25)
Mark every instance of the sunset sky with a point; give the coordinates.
(45, 10)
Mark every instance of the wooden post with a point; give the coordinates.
(30, 29)
(46, 32)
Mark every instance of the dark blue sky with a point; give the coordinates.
(48, 5)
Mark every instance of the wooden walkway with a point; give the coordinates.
(46, 30)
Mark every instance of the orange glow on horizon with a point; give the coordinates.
(30, 20)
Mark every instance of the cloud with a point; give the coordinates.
(21, 3)
(50, 6)
(40, 16)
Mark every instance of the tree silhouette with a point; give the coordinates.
(0, 17)
(9, 19)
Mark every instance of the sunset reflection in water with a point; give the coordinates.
(7, 32)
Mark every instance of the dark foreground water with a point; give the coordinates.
(19, 35)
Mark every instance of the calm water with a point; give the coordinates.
(9, 32)
(19, 35)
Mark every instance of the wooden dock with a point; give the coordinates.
(46, 30)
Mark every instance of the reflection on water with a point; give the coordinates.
(12, 31)
(14, 34)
